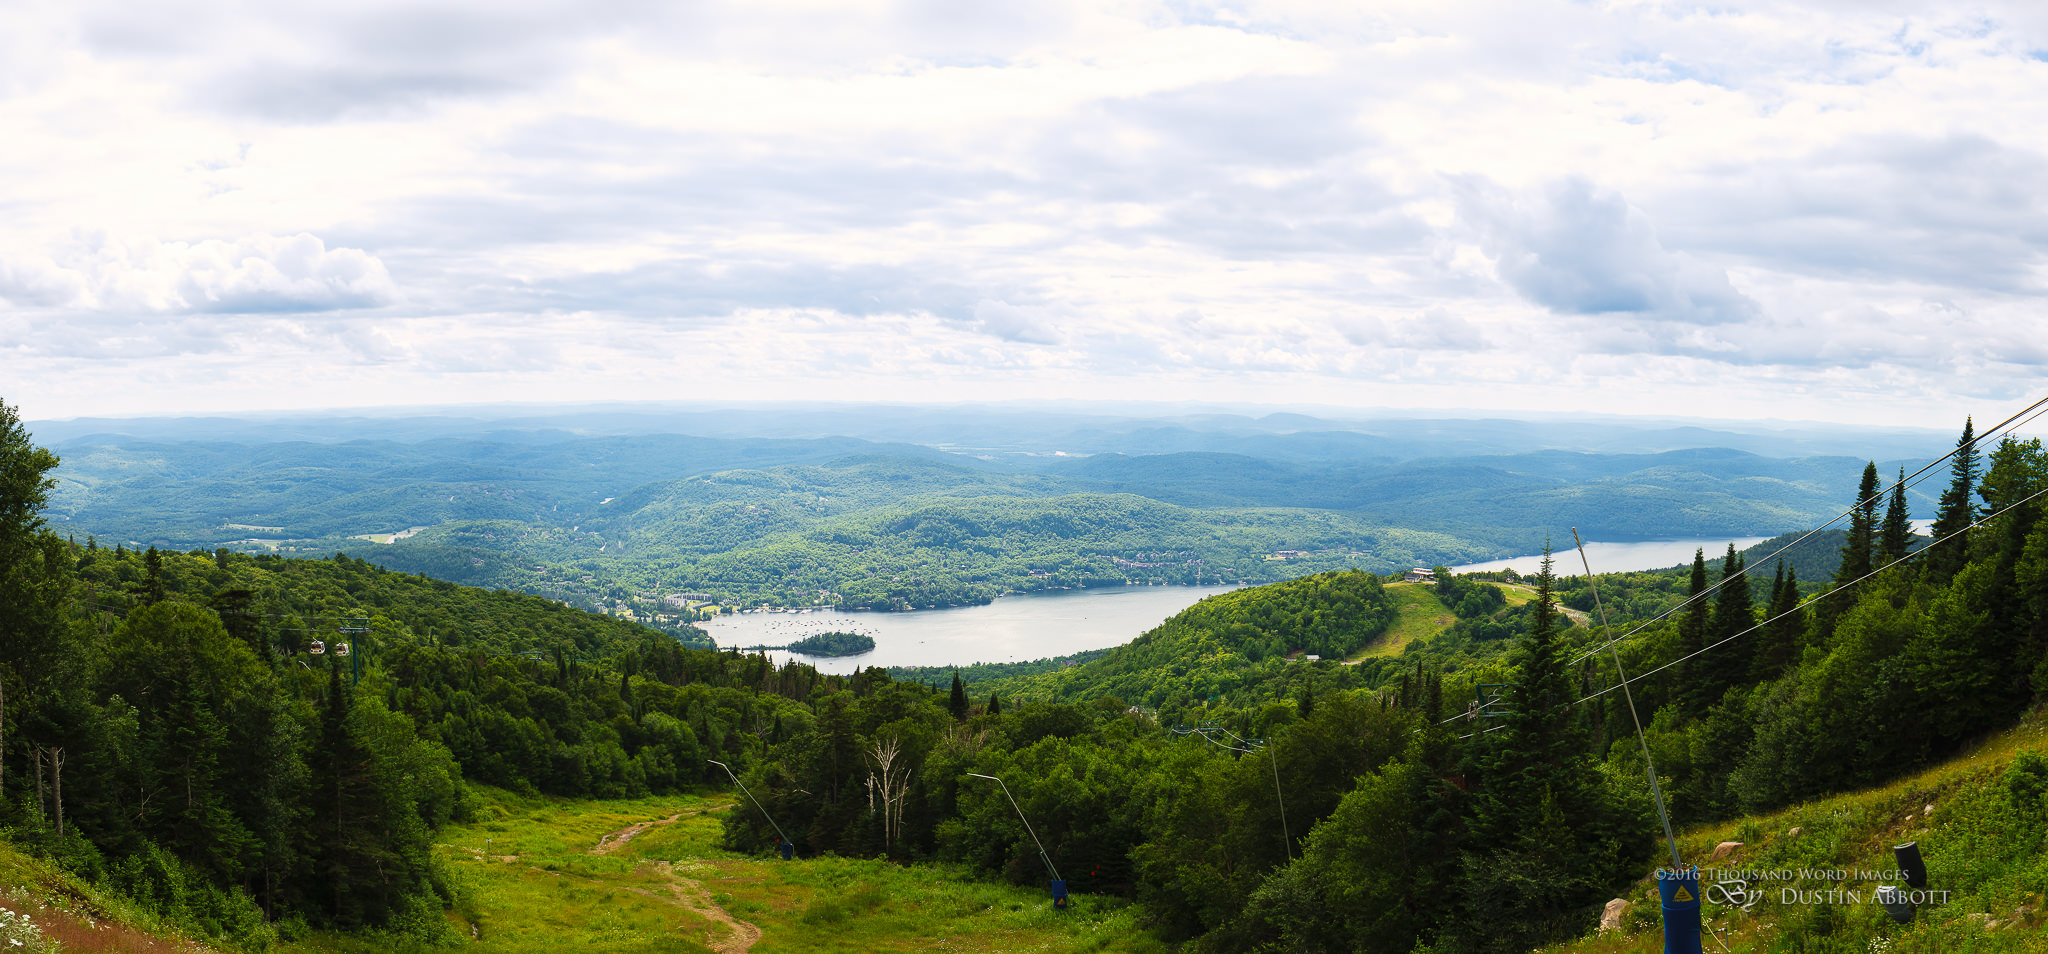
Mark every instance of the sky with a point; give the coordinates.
(1829, 211)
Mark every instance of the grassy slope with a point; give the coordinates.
(1419, 616)
(530, 881)
(1976, 845)
(78, 916)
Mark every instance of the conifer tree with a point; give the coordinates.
(31, 631)
(338, 849)
(1777, 644)
(1734, 613)
(957, 704)
(153, 583)
(1692, 628)
(995, 704)
(1858, 549)
(1545, 834)
(1897, 536)
(1957, 512)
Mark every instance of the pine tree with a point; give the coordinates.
(1777, 644)
(153, 583)
(1858, 549)
(336, 798)
(31, 626)
(1897, 536)
(1711, 673)
(957, 704)
(1735, 609)
(995, 704)
(1956, 513)
(1546, 836)
(1692, 630)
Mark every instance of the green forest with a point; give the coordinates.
(167, 731)
(617, 524)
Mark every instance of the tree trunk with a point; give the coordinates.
(57, 784)
(35, 755)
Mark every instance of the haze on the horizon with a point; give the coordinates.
(1827, 211)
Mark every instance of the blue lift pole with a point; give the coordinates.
(783, 844)
(1678, 887)
(1059, 885)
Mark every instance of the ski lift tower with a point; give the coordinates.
(353, 627)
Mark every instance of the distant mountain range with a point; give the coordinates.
(921, 506)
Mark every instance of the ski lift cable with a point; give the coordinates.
(2036, 408)
(1286, 835)
(1820, 596)
(1670, 838)
(1204, 733)
(1845, 587)
(1221, 745)
(2013, 431)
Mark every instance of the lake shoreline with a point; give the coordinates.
(1041, 624)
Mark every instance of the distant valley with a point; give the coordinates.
(621, 511)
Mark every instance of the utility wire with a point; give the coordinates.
(2037, 408)
(2030, 412)
(1819, 596)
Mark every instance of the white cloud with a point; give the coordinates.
(1011, 323)
(1576, 249)
(1388, 202)
(259, 273)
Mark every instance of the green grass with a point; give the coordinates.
(527, 880)
(1418, 615)
(78, 917)
(1981, 843)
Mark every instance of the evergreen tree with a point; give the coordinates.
(1897, 536)
(1734, 613)
(1859, 549)
(957, 703)
(153, 583)
(1735, 608)
(1777, 645)
(1956, 513)
(32, 577)
(1692, 631)
(995, 704)
(1547, 838)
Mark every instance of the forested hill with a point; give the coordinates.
(618, 523)
(285, 604)
(1481, 793)
(1232, 642)
(199, 742)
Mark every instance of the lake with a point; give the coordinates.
(1011, 629)
(1619, 557)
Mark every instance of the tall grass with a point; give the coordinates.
(526, 880)
(1980, 821)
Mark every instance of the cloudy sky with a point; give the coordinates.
(1826, 213)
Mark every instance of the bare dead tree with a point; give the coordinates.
(888, 786)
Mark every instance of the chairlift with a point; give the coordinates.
(318, 648)
(1492, 699)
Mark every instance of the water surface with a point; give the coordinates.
(1011, 629)
(1620, 557)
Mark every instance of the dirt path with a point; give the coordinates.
(688, 893)
(740, 935)
(611, 842)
